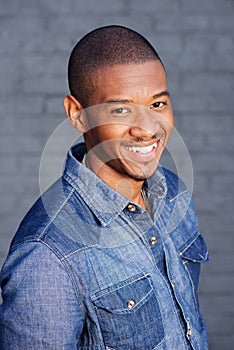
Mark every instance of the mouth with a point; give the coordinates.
(143, 149)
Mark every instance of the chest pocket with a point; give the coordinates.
(193, 254)
(129, 315)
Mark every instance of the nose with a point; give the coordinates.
(145, 124)
(140, 132)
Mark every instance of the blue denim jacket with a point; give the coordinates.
(88, 269)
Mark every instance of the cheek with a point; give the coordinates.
(112, 132)
(106, 137)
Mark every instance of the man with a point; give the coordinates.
(109, 256)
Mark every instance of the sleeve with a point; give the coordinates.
(40, 308)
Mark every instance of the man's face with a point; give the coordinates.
(130, 121)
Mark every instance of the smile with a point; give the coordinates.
(142, 149)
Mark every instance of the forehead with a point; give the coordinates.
(132, 81)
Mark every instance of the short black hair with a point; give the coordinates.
(105, 46)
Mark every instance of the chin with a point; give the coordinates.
(140, 176)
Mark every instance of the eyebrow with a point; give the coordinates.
(160, 94)
(119, 101)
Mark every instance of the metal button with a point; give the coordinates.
(131, 304)
(131, 207)
(153, 240)
(189, 332)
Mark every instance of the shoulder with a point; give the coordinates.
(51, 220)
(178, 200)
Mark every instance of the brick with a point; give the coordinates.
(154, 6)
(219, 240)
(9, 204)
(222, 43)
(55, 84)
(223, 304)
(51, 43)
(17, 32)
(22, 105)
(212, 204)
(9, 84)
(8, 183)
(206, 123)
(209, 7)
(201, 184)
(11, 183)
(221, 262)
(222, 23)
(195, 142)
(226, 59)
(223, 326)
(168, 45)
(218, 232)
(189, 61)
(52, 7)
(9, 64)
(54, 105)
(4, 242)
(35, 64)
(10, 7)
(9, 165)
(208, 83)
(50, 125)
(218, 284)
(218, 342)
(102, 7)
(181, 23)
(139, 22)
(223, 183)
(213, 201)
(25, 125)
(216, 162)
(12, 225)
(193, 102)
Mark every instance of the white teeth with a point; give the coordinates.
(143, 150)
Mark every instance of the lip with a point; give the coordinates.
(143, 148)
(145, 151)
(143, 143)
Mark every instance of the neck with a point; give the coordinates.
(130, 189)
(120, 182)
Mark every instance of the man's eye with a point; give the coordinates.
(120, 111)
(159, 104)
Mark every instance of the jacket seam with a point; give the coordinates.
(68, 270)
(177, 195)
(56, 213)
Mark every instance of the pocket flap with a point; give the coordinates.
(126, 296)
(195, 250)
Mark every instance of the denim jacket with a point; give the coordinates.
(88, 269)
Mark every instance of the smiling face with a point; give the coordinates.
(129, 123)
(129, 128)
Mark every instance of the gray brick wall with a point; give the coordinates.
(196, 42)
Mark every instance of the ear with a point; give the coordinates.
(75, 113)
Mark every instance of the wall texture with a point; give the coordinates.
(196, 42)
